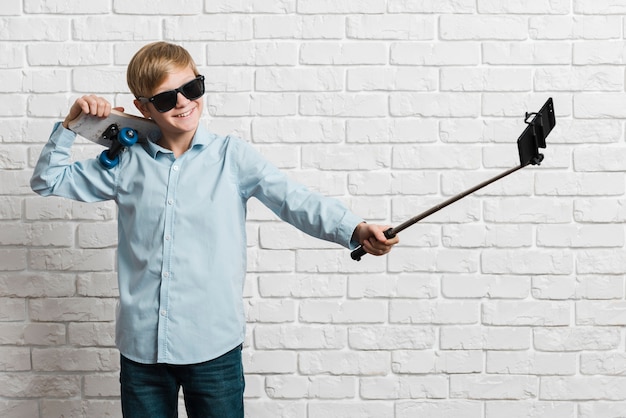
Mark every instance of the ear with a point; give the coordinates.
(143, 108)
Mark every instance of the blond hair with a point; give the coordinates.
(151, 64)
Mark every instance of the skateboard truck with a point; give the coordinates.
(120, 139)
(528, 144)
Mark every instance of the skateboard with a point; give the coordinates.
(116, 132)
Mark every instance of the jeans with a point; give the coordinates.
(213, 389)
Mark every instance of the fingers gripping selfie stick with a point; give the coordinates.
(528, 144)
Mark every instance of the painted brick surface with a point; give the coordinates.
(510, 303)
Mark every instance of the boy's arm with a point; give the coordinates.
(319, 216)
(56, 175)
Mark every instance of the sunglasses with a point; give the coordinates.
(166, 101)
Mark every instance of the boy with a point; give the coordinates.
(181, 231)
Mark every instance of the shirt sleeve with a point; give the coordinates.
(317, 215)
(56, 175)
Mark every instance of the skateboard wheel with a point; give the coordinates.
(108, 162)
(127, 137)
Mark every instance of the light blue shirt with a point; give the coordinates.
(182, 235)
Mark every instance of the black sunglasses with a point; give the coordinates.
(166, 101)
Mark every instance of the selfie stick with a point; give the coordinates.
(528, 144)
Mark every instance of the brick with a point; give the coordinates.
(234, 104)
(579, 236)
(433, 409)
(609, 364)
(24, 334)
(437, 362)
(501, 28)
(523, 363)
(65, 7)
(405, 286)
(343, 105)
(493, 387)
(436, 313)
(505, 313)
(583, 388)
(15, 359)
(27, 285)
(485, 286)
(146, 7)
(341, 6)
(257, 54)
(19, 409)
(13, 260)
(603, 261)
(271, 311)
(601, 313)
(119, 28)
(390, 27)
(578, 27)
(589, 78)
(435, 54)
(250, 6)
(336, 53)
(404, 387)
(478, 80)
(485, 338)
(102, 385)
(35, 29)
(294, 337)
(97, 235)
(302, 286)
(356, 363)
(207, 28)
(576, 339)
(364, 409)
(26, 385)
(73, 360)
(536, 53)
(11, 8)
(348, 312)
(289, 130)
(431, 6)
(378, 130)
(601, 409)
(390, 337)
(99, 334)
(72, 309)
(530, 409)
(513, 7)
(599, 7)
(294, 387)
(395, 79)
(300, 79)
(275, 362)
(435, 104)
(599, 52)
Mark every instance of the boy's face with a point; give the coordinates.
(184, 118)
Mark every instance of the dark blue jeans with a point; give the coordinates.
(212, 390)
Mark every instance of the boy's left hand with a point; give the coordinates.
(373, 239)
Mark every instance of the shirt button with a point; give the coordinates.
(163, 312)
(166, 274)
(175, 168)
(170, 202)
(167, 238)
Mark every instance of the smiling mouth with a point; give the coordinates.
(184, 115)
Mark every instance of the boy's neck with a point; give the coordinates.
(178, 145)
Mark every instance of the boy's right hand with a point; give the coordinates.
(91, 105)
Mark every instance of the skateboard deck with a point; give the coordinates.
(92, 127)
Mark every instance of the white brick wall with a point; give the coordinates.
(510, 303)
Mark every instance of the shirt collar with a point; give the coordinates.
(201, 138)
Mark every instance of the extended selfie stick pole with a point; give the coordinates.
(528, 144)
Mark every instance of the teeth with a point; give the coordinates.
(182, 115)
